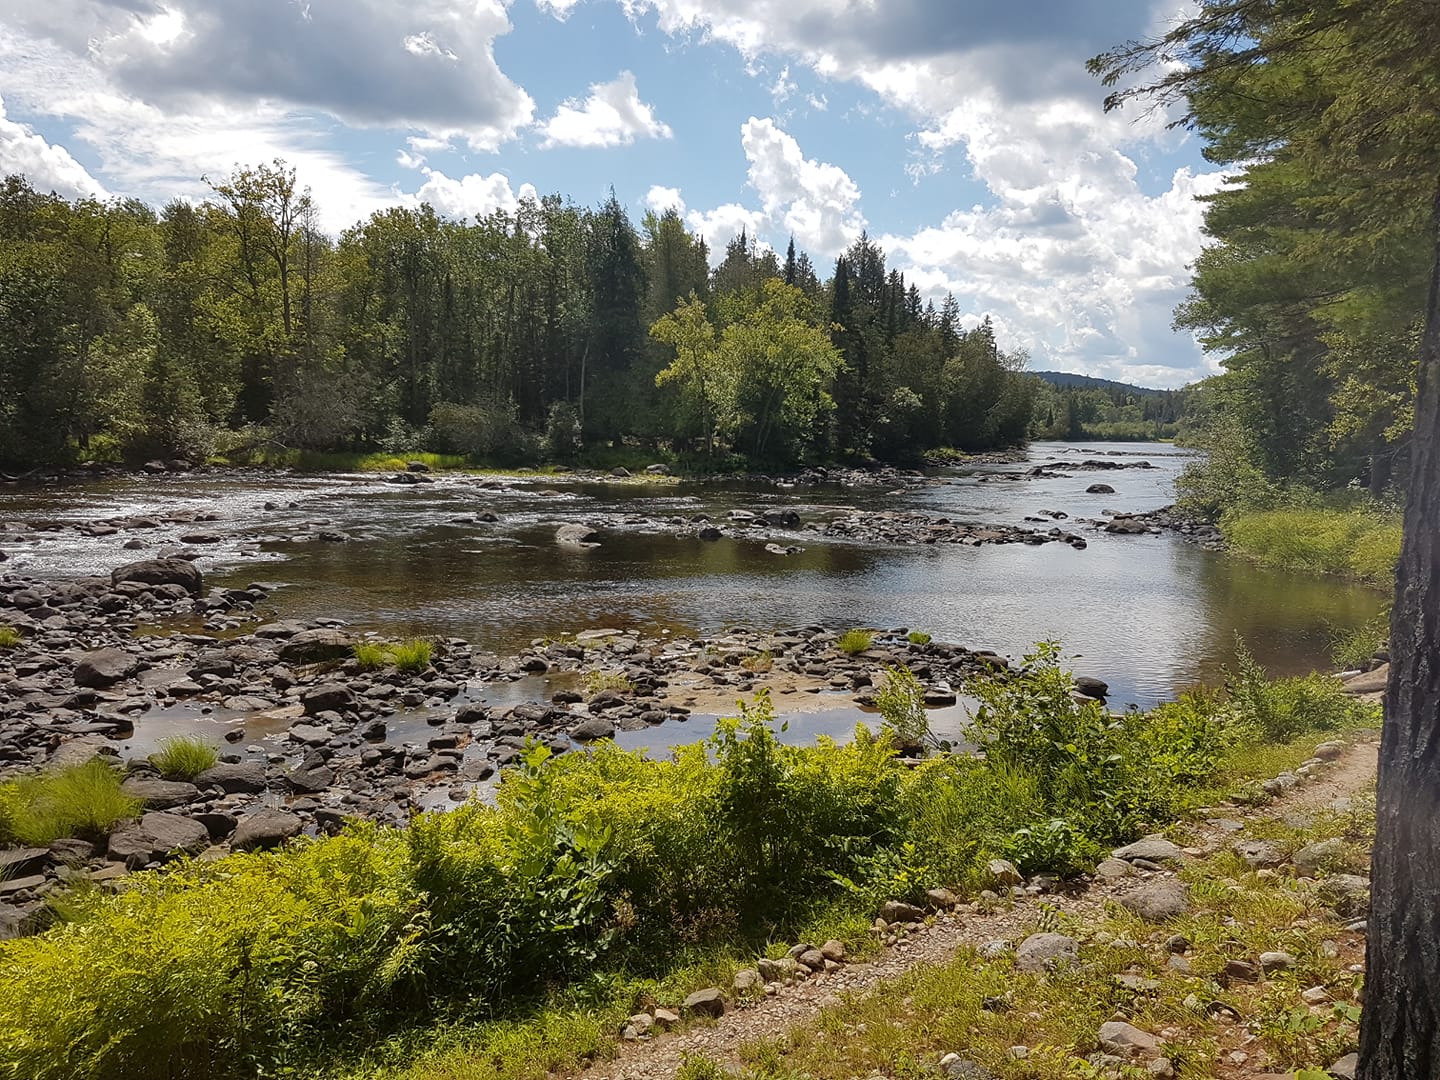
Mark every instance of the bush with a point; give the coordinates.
(79, 800)
(1282, 710)
(596, 681)
(488, 429)
(1353, 647)
(9, 637)
(371, 655)
(856, 641)
(901, 701)
(918, 637)
(1362, 544)
(184, 757)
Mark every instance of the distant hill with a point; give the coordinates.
(1070, 381)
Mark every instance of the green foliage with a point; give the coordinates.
(918, 637)
(184, 757)
(1353, 543)
(10, 637)
(596, 681)
(78, 800)
(1281, 710)
(412, 656)
(855, 641)
(371, 655)
(1352, 648)
(901, 701)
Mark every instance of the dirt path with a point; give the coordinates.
(658, 1058)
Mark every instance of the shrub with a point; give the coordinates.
(1280, 711)
(856, 641)
(79, 800)
(596, 681)
(901, 701)
(184, 757)
(9, 637)
(371, 655)
(1355, 646)
(758, 663)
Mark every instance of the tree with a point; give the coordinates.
(1379, 139)
(703, 370)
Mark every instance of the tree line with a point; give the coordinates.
(220, 327)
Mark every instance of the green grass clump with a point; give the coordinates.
(596, 681)
(410, 656)
(1354, 647)
(1362, 544)
(79, 800)
(184, 757)
(856, 641)
(9, 637)
(918, 637)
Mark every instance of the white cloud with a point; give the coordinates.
(613, 115)
(47, 167)
(723, 224)
(559, 8)
(469, 196)
(816, 201)
(659, 199)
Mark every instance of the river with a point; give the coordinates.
(1149, 614)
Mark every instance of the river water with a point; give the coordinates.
(1150, 614)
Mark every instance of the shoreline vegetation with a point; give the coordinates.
(508, 940)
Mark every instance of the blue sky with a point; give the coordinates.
(965, 136)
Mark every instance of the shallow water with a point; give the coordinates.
(1150, 614)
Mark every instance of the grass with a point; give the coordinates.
(1362, 544)
(918, 637)
(596, 681)
(411, 656)
(758, 662)
(79, 800)
(184, 757)
(1354, 647)
(9, 637)
(855, 641)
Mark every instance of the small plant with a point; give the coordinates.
(699, 1067)
(1355, 646)
(9, 637)
(918, 637)
(1282, 710)
(184, 757)
(758, 663)
(596, 681)
(412, 656)
(856, 641)
(81, 800)
(901, 701)
(371, 655)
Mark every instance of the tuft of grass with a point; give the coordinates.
(918, 637)
(1355, 646)
(80, 800)
(411, 656)
(1361, 544)
(9, 637)
(856, 641)
(184, 757)
(758, 663)
(371, 655)
(596, 681)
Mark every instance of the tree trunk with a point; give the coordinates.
(1400, 1029)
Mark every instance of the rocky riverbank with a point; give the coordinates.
(313, 738)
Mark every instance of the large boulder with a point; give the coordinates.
(316, 647)
(160, 794)
(327, 697)
(155, 837)
(161, 572)
(1158, 902)
(265, 829)
(104, 668)
(709, 1002)
(1154, 849)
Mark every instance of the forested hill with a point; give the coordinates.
(236, 328)
(1069, 406)
(1071, 381)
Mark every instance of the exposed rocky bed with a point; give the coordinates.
(341, 742)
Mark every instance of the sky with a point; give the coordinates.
(965, 136)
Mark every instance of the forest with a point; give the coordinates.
(237, 327)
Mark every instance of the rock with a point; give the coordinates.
(1348, 894)
(746, 980)
(955, 1067)
(1003, 873)
(1258, 853)
(1369, 682)
(709, 532)
(1099, 489)
(596, 727)
(708, 1002)
(1315, 995)
(160, 794)
(104, 668)
(154, 837)
(1313, 857)
(1042, 952)
(577, 536)
(1095, 688)
(1151, 849)
(833, 950)
(180, 572)
(1241, 971)
(310, 781)
(666, 1019)
(1159, 901)
(315, 647)
(22, 862)
(813, 959)
(1114, 869)
(897, 911)
(1126, 1040)
(1345, 1068)
(265, 829)
(1276, 961)
(941, 899)
(1329, 751)
(327, 697)
(247, 777)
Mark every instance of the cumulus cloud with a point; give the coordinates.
(559, 8)
(473, 195)
(659, 199)
(723, 224)
(613, 115)
(814, 200)
(47, 167)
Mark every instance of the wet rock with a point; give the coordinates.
(265, 829)
(577, 536)
(1043, 952)
(104, 668)
(180, 572)
(1159, 901)
(1099, 489)
(1091, 687)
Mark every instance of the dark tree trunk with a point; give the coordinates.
(1400, 1029)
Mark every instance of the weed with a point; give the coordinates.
(184, 757)
(699, 1067)
(79, 800)
(856, 641)
(1354, 647)
(412, 656)
(1356, 543)
(758, 663)
(901, 701)
(9, 637)
(596, 681)
(371, 655)
(918, 637)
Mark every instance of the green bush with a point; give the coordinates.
(901, 701)
(371, 655)
(411, 656)
(79, 800)
(918, 637)
(184, 757)
(1281, 710)
(1354, 647)
(856, 641)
